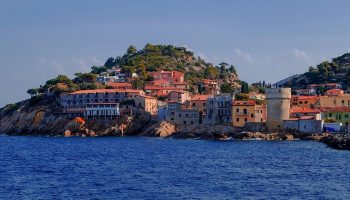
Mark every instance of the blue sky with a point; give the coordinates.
(265, 40)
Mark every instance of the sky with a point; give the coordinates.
(265, 40)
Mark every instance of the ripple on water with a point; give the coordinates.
(152, 168)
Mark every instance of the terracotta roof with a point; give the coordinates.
(303, 110)
(106, 91)
(244, 103)
(178, 83)
(119, 84)
(335, 109)
(199, 97)
(305, 97)
(151, 87)
(147, 97)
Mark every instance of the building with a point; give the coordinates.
(210, 87)
(336, 114)
(304, 101)
(335, 92)
(297, 112)
(102, 111)
(179, 96)
(256, 96)
(171, 76)
(177, 113)
(120, 85)
(199, 102)
(219, 109)
(334, 101)
(278, 105)
(147, 103)
(303, 125)
(157, 91)
(326, 86)
(79, 99)
(246, 111)
(306, 92)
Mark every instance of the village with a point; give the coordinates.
(167, 98)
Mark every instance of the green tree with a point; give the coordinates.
(227, 88)
(131, 49)
(245, 87)
(211, 72)
(137, 84)
(32, 92)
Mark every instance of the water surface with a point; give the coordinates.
(153, 168)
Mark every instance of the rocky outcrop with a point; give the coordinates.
(205, 132)
(341, 142)
(33, 120)
(159, 129)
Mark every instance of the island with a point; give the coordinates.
(167, 91)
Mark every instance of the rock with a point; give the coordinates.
(67, 133)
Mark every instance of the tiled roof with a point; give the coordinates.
(119, 84)
(199, 97)
(335, 109)
(106, 91)
(151, 87)
(244, 103)
(303, 110)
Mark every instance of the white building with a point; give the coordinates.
(107, 111)
(219, 110)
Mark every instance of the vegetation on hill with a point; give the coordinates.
(336, 71)
(150, 58)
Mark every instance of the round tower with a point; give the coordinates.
(277, 105)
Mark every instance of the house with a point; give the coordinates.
(179, 96)
(147, 103)
(326, 86)
(102, 111)
(157, 91)
(78, 100)
(336, 114)
(219, 109)
(119, 85)
(256, 96)
(334, 101)
(297, 112)
(335, 92)
(159, 83)
(303, 101)
(177, 113)
(183, 85)
(247, 111)
(306, 92)
(305, 124)
(171, 76)
(199, 102)
(211, 87)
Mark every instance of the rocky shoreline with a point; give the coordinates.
(41, 119)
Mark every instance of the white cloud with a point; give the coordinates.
(301, 55)
(245, 56)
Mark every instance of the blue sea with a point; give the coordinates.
(154, 168)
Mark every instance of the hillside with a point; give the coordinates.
(335, 71)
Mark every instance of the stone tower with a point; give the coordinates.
(278, 104)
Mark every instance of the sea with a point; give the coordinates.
(155, 168)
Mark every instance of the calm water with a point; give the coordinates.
(152, 168)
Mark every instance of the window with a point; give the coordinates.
(185, 122)
(191, 122)
(237, 119)
(204, 104)
(245, 119)
(251, 115)
(193, 104)
(179, 115)
(346, 115)
(245, 111)
(172, 119)
(237, 110)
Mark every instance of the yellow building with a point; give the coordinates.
(247, 111)
(149, 104)
(334, 101)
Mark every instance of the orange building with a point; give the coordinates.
(171, 76)
(335, 92)
(247, 111)
(157, 91)
(147, 103)
(304, 101)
